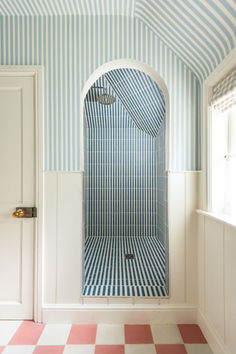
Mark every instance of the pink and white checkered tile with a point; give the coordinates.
(28, 337)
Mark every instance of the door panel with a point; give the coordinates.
(17, 189)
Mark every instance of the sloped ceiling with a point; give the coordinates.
(66, 7)
(200, 32)
(138, 97)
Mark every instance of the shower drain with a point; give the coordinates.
(129, 256)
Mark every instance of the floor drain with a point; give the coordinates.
(129, 256)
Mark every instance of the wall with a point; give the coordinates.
(162, 194)
(63, 252)
(71, 48)
(162, 187)
(217, 283)
(120, 171)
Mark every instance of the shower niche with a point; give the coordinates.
(125, 218)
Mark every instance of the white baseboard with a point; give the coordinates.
(216, 343)
(119, 314)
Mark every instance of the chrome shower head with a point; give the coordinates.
(106, 99)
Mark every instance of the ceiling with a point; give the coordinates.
(200, 32)
(138, 100)
(65, 7)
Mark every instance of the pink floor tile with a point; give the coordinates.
(82, 334)
(1, 349)
(138, 334)
(191, 333)
(109, 349)
(28, 333)
(49, 349)
(170, 349)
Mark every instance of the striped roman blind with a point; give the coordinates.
(224, 93)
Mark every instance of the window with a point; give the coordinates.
(223, 147)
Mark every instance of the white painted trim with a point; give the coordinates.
(129, 313)
(36, 72)
(216, 343)
(220, 71)
(82, 171)
(224, 219)
(64, 172)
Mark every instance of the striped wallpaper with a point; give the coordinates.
(71, 48)
(200, 32)
(67, 7)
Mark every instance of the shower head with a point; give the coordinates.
(93, 93)
(106, 99)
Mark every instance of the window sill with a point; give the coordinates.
(225, 219)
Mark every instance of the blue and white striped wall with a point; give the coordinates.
(200, 32)
(71, 48)
(120, 172)
(137, 96)
(141, 97)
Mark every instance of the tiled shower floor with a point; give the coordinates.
(108, 273)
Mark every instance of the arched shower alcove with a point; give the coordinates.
(125, 132)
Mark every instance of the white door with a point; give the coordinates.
(17, 189)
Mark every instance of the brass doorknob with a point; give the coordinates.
(19, 213)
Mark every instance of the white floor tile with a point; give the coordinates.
(140, 349)
(79, 349)
(7, 330)
(166, 334)
(110, 334)
(19, 349)
(198, 349)
(55, 334)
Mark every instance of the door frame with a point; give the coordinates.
(36, 72)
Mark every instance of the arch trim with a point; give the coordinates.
(122, 64)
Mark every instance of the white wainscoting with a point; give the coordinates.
(217, 283)
(63, 257)
(62, 237)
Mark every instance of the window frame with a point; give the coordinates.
(205, 197)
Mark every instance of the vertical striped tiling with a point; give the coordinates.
(140, 96)
(125, 190)
(120, 165)
(162, 198)
(108, 273)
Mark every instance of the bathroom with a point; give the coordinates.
(111, 110)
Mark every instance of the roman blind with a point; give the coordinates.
(224, 93)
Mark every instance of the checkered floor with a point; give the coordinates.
(28, 337)
(108, 273)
